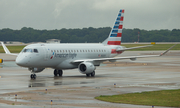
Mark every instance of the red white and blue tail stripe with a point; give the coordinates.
(116, 32)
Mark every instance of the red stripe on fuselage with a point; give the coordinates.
(113, 51)
(114, 43)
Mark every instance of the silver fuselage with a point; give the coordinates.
(60, 56)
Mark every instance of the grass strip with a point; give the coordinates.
(12, 49)
(168, 98)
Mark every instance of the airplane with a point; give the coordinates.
(84, 56)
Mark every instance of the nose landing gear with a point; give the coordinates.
(33, 76)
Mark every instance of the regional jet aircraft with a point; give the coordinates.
(84, 56)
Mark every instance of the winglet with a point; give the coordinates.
(6, 49)
(167, 50)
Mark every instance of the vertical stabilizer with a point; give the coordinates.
(116, 32)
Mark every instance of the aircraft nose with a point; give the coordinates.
(20, 61)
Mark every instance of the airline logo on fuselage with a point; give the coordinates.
(65, 55)
(52, 55)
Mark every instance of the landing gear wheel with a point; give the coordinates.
(93, 74)
(33, 76)
(55, 72)
(88, 75)
(60, 72)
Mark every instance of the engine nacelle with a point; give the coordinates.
(86, 67)
(36, 70)
(133, 59)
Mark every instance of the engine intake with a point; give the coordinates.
(86, 67)
(36, 70)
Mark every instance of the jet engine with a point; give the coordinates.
(36, 70)
(86, 67)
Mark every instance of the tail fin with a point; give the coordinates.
(116, 32)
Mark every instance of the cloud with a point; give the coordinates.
(57, 14)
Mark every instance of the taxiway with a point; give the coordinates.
(76, 90)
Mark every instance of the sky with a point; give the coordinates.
(58, 14)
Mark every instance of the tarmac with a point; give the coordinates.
(75, 90)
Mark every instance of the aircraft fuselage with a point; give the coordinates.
(59, 56)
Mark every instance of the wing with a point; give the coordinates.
(120, 58)
(6, 50)
(135, 47)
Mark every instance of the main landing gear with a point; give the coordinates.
(33, 76)
(58, 72)
(91, 74)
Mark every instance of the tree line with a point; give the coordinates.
(89, 35)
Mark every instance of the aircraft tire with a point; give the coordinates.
(60, 72)
(88, 75)
(93, 74)
(55, 72)
(33, 76)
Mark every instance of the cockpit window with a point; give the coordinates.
(30, 50)
(27, 50)
(35, 50)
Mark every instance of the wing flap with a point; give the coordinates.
(116, 58)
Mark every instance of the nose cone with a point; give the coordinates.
(21, 61)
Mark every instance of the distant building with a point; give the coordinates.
(53, 41)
